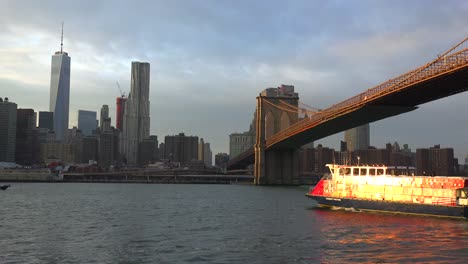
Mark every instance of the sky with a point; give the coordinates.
(211, 58)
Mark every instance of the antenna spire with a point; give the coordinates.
(61, 41)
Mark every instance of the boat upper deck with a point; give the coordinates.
(350, 170)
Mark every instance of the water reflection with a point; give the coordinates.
(106, 223)
(390, 238)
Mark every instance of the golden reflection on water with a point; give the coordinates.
(362, 237)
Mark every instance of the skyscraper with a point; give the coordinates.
(207, 155)
(136, 120)
(7, 130)
(104, 115)
(60, 91)
(87, 122)
(46, 120)
(120, 110)
(27, 140)
(201, 150)
(358, 138)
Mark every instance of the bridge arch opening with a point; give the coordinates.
(285, 121)
(269, 125)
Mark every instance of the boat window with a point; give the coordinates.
(462, 193)
(347, 171)
(340, 171)
(363, 172)
(380, 172)
(371, 171)
(355, 171)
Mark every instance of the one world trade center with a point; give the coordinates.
(60, 91)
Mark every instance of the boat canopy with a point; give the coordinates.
(365, 170)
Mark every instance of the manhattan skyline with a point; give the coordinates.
(211, 58)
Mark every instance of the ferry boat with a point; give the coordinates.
(391, 189)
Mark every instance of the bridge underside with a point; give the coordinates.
(364, 115)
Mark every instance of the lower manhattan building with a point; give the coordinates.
(119, 111)
(7, 130)
(46, 120)
(204, 153)
(104, 114)
(87, 122)
(221, 160)
(106, 148)
(60, 92)
(435, 161)
(357, 138)
(208, 155)
(53, 151)
(240, 142)
(108, 144)
(27, 138)
(89, 150)
(181, 148)
(148, 150)
(136, 119)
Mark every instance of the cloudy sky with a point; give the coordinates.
(209, 59)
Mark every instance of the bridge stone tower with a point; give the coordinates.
(276, 111)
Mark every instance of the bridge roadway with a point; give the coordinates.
(445, 76)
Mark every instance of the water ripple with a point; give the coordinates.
(137, 223)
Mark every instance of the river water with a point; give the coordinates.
(143, 223)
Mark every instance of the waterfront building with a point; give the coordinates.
(117, 158)
(108, 142)
(323, 156)
(60, 91)
(87, 122)
(89, 149)
(207, 155)
(27, 150)
(306, 160)
(181, 148)
(64, 152)
(106, 148)
(104, 115)
(136, 120)
(357, 138)
(201, 150)
(240, 142)
(46, 135)
(7, 130)
(148, 150)
(435, 161)
(197, 165)
(46, 120)
(73, 135)
(221, 160)
(161, 152)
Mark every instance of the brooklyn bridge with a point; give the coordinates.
(280, 131)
